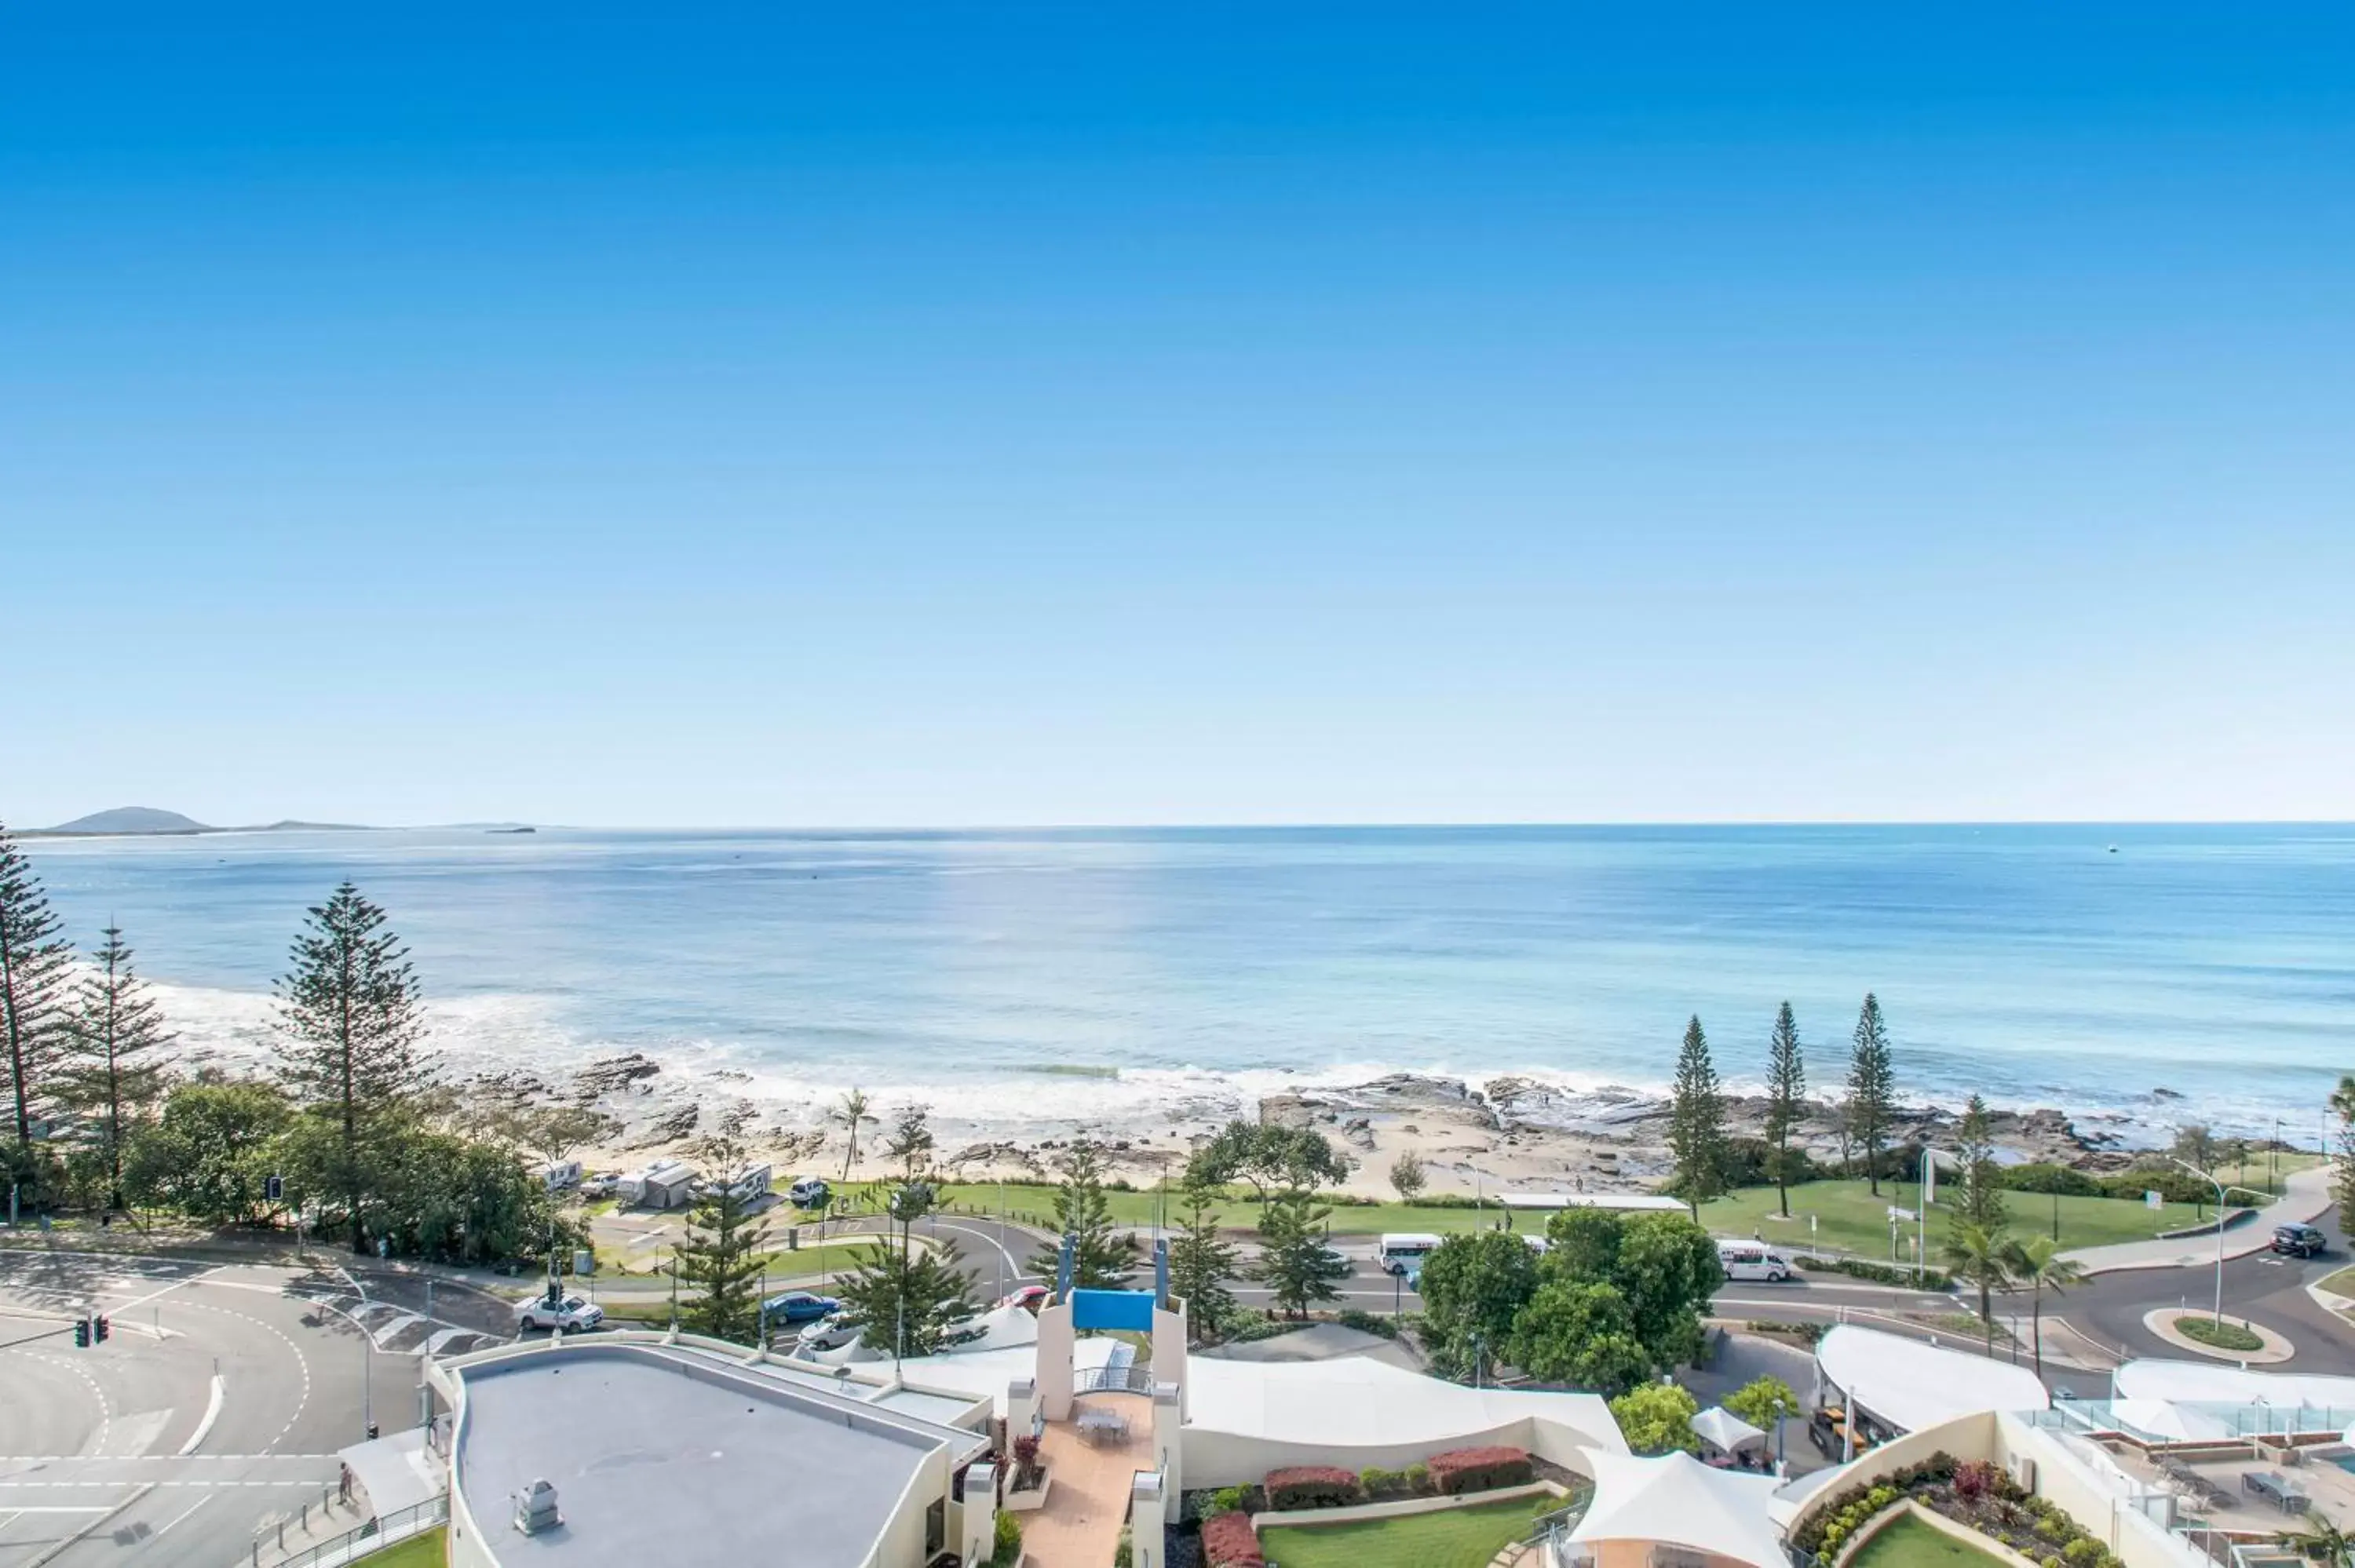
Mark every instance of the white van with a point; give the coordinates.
(1403, 1251)
(1752, 1261)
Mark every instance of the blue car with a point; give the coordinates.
(799, 1307)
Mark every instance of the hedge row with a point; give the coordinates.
(1311, 1486)
(1461, 1471)
(1229, 1542)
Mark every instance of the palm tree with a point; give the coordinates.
(2037, 1261)
(1980, 1253)
(848, 1115)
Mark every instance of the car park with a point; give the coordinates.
(573, 1314)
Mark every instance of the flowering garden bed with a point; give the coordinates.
(1976, 1494)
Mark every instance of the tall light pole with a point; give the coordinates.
(2221, 1191)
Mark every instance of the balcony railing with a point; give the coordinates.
(1114, 1380)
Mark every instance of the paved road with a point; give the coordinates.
(216, 1406)
(2109, 1308)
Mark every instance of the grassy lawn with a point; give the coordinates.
(1909, 1543)
(426, 1550)
(1848, 1216)
(653, 1262)
(1036, 1203)
(2342, 1282)
(1459, 1537)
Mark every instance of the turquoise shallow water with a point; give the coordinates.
(1024, 973)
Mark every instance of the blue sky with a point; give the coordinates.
(1001, 414)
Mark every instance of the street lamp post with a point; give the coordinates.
(2221, 1191)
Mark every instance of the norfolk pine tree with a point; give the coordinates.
(1295, 1264)
(1696, 1122)
(1982, 1203)
(33, 991)
(1871, 1083)
(1199, 1263)
(350, 1018)
(1102, 1256)
(115, 1064)
(1787, 1093)
(722, 1252)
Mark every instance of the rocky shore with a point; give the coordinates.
(1504, 1134)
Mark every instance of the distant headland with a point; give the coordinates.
(148, 822)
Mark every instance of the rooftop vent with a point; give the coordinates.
(535, 1507)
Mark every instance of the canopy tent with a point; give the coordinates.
(1724, 1431)
(2206, 1383)
(1002, 1328)
(1677, 1501)
(1915, 1386)
(2159, 1418)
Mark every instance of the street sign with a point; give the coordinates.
(2151, 1200)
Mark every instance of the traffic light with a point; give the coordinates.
(81, 1333)
(101, 1326)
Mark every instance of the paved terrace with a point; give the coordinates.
(651, 1449)
(1088, 1501)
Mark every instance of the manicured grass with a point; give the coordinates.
(1851, 1217)
(2341, 1283)
(1035, 1204)
(2226, 1335)
(426, 1550)
(1457, 1538)
(1909, 1543)
(653, 1263)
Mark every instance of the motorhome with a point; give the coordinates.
(665, 1184)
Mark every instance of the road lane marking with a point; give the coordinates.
(184, 1513)
(212, 1414)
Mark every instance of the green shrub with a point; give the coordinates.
(1367, 1322)
(1418, 1477)
(1380, 1483)
(2082, 1552)
(1006, 1543)
(2055, 1562)
(2052, 1529)
(1226, 1500)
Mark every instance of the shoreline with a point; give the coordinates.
(1509, 1130)
(1509, 1133)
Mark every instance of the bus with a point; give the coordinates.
(1403, 1251)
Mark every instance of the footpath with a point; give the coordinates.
(2304, 1196)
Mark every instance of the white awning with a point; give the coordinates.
(2208, 1382)
(396, 1472)
(2157, 1418)
(1915, 1386)
(1724, 1431)
(1677, 1501)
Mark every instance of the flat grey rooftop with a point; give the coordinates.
(665, 1459)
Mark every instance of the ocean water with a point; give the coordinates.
(1027, 979)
